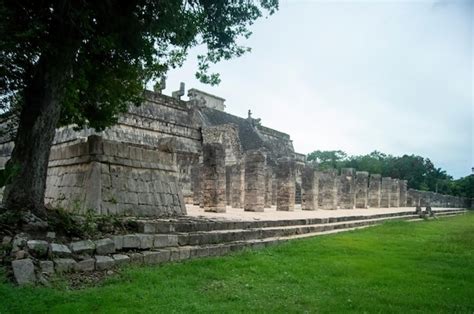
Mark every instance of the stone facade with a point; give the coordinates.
(310, 185)
(403, 192)
(385, 192)
(213, 176)
(395, 195)
(255, 176)
(346, 193)
(327, 197)
(374, 191)
(108, 177)
(157, 158)
(286, 180)
(361, 189)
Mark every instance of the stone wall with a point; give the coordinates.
(112, 178)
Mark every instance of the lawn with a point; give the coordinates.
(395, 267)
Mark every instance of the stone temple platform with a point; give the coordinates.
(238, 214)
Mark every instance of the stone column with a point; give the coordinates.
(254, 181)
(403, 193)
(374, 191)
(285, 176)
(361, 187)
(327, 197)
(385, 192)
(310, 183)
(268, 187)
(196, 184)
(274, 189)
(346, 188)
(236, 186)
(213, 176)
(395, 196)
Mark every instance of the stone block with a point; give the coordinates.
(24, 271)
(104, 246)
(85, 265)
(146, 240)
(38, 248)
(136, 258)
(156, 257)
(64, 265)
(165, 240)
(118, 241)
(83, 247)
(59, 250)
(104, 262)
(131, 241)
(46, 267)
(121, 259)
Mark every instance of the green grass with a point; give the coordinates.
(396, 267)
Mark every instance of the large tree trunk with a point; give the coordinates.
(38, 120)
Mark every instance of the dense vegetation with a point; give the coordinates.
(420, 172)
(398, 267)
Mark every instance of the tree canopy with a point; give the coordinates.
(420, 172)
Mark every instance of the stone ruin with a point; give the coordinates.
(170, 152)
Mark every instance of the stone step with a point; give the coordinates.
(195, 224)
(198, 251)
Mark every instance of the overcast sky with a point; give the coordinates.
(358, 76)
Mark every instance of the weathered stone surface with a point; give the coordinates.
(361, 189)
(121, 259)
(374, 191)
(64, 265)
(104, 246)
(38, 248)
(310, 186)
(236, 180)
(385, 192)
(85, 265)
(83, 247)
(131, 241)
(346, 187)
(118, 241)
(46, 267)
(327, 197)
(156, 257)
(104, 262)
(136, 258)
(268, 186)
(19, 241)
(165, 240)
(214, 180)
(59, 250)
(24, 271)
(254, 198)
(395, 194)
(285, 176)
(403, 194)
(196, 184)
(146, 241)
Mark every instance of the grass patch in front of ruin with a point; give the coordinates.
(396, 267)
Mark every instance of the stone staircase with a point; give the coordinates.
(204, 237)
(157, 241)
